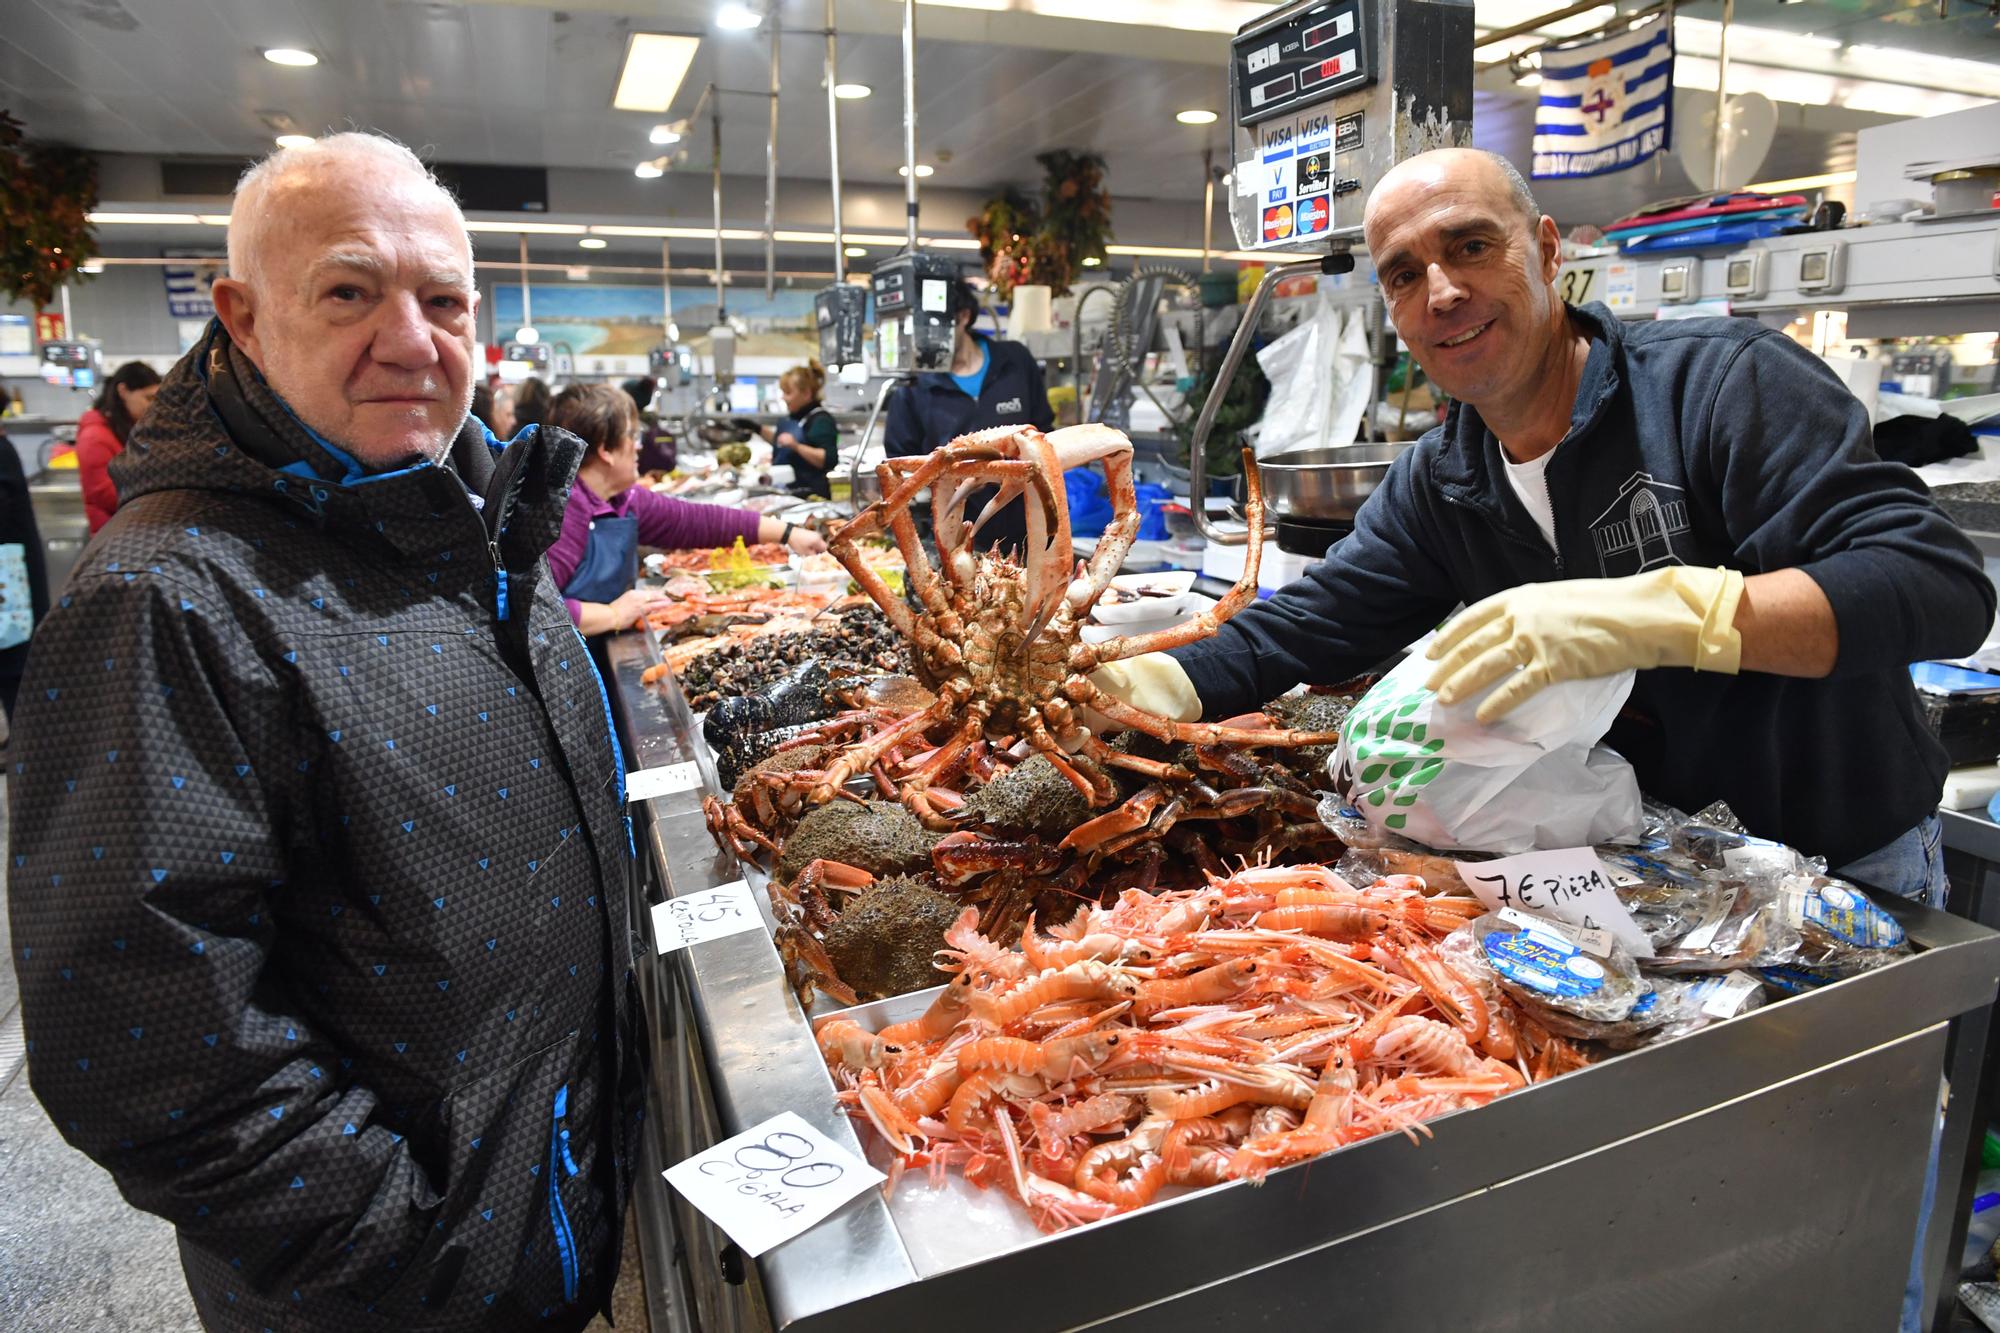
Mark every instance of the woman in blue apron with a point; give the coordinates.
(807, 440)
(595, 561)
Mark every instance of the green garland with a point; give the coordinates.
(46, 195)
(1024, 241)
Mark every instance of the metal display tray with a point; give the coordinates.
(1764, 1172)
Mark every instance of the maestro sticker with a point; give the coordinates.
(1313, 216)
(1278, 222)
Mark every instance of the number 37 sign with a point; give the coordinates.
(771, 1182)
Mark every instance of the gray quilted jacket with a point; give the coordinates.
(320, 875)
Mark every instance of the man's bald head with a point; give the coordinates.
(351, 289)
(340, 162)
(1453, 166)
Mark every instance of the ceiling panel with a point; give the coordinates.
(530, 82)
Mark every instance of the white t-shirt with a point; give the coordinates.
(1530, 482)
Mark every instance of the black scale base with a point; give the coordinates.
(1311, 536)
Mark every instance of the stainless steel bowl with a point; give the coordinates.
(1323, 483)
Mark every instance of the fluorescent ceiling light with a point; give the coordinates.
(923, 169)
(737, 18)
(1493, 15)
(1187, 15)
(146, 219)
(1091, 261)
(852, 92)
(649, 171)
(93, 267)
(530, 228)
(655, 64)
(294, 56)
(527, 333)
(852, 252)
(592, 242)
(1195, 116)
(295, 141)
(664, 134)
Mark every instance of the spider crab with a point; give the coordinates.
(997, 639)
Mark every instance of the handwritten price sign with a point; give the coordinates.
(772, 1182)
(1570, 886)
(694, 918)
(666, 780)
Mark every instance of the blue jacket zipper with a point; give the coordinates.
(558, 1215)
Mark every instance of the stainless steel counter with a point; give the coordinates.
(1764, 1172)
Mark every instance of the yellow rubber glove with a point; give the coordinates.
(1152, 682)
(1576, 629)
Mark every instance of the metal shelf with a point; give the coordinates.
(1900, 279)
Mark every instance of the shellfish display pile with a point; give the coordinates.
(1189, 1038)
(1193, 1037)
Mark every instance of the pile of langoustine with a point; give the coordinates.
(1189, 1038)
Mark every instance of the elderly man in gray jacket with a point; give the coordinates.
(320, 866)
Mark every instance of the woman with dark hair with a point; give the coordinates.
(101, 435)
(595, 561)
(532, 402)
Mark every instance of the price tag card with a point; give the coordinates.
(694, 918)
(1570, 886)
(664, 780)
(770, 1183)
(1726, 999)
(1583, 937)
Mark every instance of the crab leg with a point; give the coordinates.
(1157, 769)
(1087, 657)
(1080, 690)
(867, 523)
(1075, 446)
(861, 758)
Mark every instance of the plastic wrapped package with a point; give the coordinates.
(1680, 1005)
(1715, 839)
(1839, 925)
(1365, 865)
(1544, 970)
(1743, 926)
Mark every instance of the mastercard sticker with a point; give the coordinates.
(1278, 222)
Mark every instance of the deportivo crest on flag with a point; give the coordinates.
(1607, 104)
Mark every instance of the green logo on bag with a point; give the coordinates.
(1392, 761)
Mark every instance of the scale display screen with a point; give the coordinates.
(1316, 54)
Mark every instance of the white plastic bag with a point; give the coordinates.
(1320, 381)
(1535, 779)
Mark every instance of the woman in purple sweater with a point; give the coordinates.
(596, 559)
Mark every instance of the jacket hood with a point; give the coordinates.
(218, 426)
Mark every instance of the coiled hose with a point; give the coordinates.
(1118, 341)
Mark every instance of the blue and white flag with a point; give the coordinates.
(1607, 104)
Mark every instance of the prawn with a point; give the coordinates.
(1079, 981)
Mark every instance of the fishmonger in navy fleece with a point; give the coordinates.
(1693, 498)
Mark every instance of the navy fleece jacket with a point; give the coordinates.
(1705, 442)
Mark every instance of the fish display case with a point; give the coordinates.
(1766, 1171)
